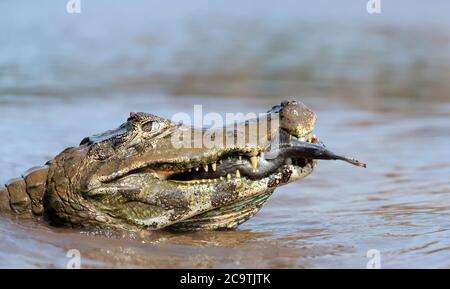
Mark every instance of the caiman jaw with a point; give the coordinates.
(299, 153)
(233, 165)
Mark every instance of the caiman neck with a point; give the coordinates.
(24, 195)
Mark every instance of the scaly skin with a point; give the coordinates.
(137, 176)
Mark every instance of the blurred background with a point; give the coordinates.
(378, 82)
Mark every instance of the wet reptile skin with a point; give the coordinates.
(137, 177)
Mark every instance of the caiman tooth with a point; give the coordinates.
(192, 182)
(262, 155)
(196, 169)
(238, 174)
(228, 176)
(214, 166)
(190, 170)
(205, 167)
(290, 137)
(240, 157)
(221, 178)
(254, 162)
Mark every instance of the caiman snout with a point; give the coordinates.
(293, 144)
(293, 152)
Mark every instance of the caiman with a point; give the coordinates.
(138, 176)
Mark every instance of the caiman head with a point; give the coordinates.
(153, 173)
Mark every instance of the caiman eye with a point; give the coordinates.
(150, 126)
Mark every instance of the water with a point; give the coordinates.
(379, 86)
